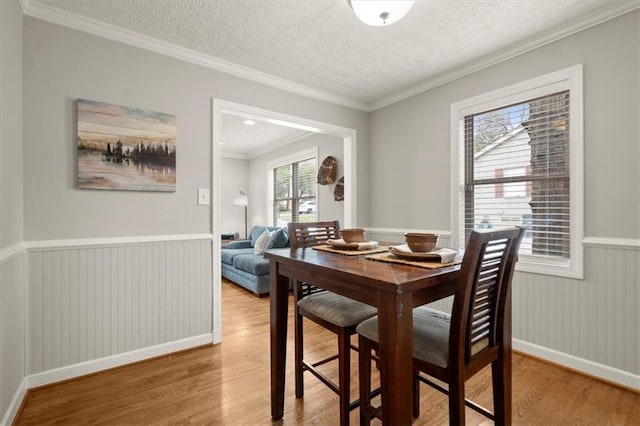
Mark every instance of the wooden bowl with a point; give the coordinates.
(420, 243)
(352, 235)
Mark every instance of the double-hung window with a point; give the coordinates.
(517, 161)
(294, 188)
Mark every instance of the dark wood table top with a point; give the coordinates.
(357, 274)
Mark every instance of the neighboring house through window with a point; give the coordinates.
(292, 180)
(518, 162)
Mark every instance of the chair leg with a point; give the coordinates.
(501, 393)
(364, 373)
(344, 375)
(298, 352)
(416, 395)
(456, 400)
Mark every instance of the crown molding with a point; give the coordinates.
(602, 15)
(24, 5)
(112, 32)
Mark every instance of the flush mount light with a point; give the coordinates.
(378, 12)
(249, 122)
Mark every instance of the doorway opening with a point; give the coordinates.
(221, 108)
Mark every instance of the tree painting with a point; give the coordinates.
(124, 148)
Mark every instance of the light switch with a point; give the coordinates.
(203, 197)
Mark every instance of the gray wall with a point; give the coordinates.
(11, 216)
(62, 65)
(12, 280)
(594, 319)
(415, 192)
(234, 178)
(328, 209)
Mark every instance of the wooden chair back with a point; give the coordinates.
(307, 234)
(477, 320)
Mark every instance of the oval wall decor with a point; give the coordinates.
(327, 171)
(338, 192)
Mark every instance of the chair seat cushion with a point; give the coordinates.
(336, 309)
(430, 334)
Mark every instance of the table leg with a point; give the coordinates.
(278, 301)
(395, 335)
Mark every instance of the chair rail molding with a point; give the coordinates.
(401, 231)
(8, 252)
(627, 243)
(113, 241)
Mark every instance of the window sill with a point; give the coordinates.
(544, 266)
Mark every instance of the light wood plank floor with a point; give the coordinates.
(229, 384)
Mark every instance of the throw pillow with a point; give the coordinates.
(262, 243)
(280, 238)
(256, 231)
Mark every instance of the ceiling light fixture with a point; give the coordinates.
(249, 122)
(378, 12)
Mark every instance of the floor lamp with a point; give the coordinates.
(242, 200)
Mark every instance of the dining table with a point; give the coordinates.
(395, 289)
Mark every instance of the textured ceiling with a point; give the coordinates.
(322, 45)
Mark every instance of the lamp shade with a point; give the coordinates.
(241, 200)
(378, 12)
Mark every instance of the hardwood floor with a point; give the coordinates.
(229, 384)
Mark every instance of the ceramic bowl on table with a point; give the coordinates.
(421, 242)
(352, 235)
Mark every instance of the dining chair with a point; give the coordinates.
(335, 313)
(452, 348)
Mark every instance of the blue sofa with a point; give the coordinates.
(242, 266)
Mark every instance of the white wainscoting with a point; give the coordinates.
(12, 331)
(590, 325)
(88, 300)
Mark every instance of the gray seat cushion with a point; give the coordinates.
(256, 265)
(336, 309)
(430, 334)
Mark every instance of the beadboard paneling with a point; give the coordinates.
(595, 319)
(12, 328)
(90, 302)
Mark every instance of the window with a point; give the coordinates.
(518, 162)
(294, 189)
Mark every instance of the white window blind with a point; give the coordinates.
(294, 189)
(517, 172)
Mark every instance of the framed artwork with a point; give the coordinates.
(124, 148)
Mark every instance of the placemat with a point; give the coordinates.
(392, 258)
(330, 249)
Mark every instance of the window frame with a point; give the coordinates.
(304, 155)
(566, 79)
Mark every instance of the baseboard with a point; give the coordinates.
(16, 403)
(606, 373)
(217, 336)
(93, 366)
